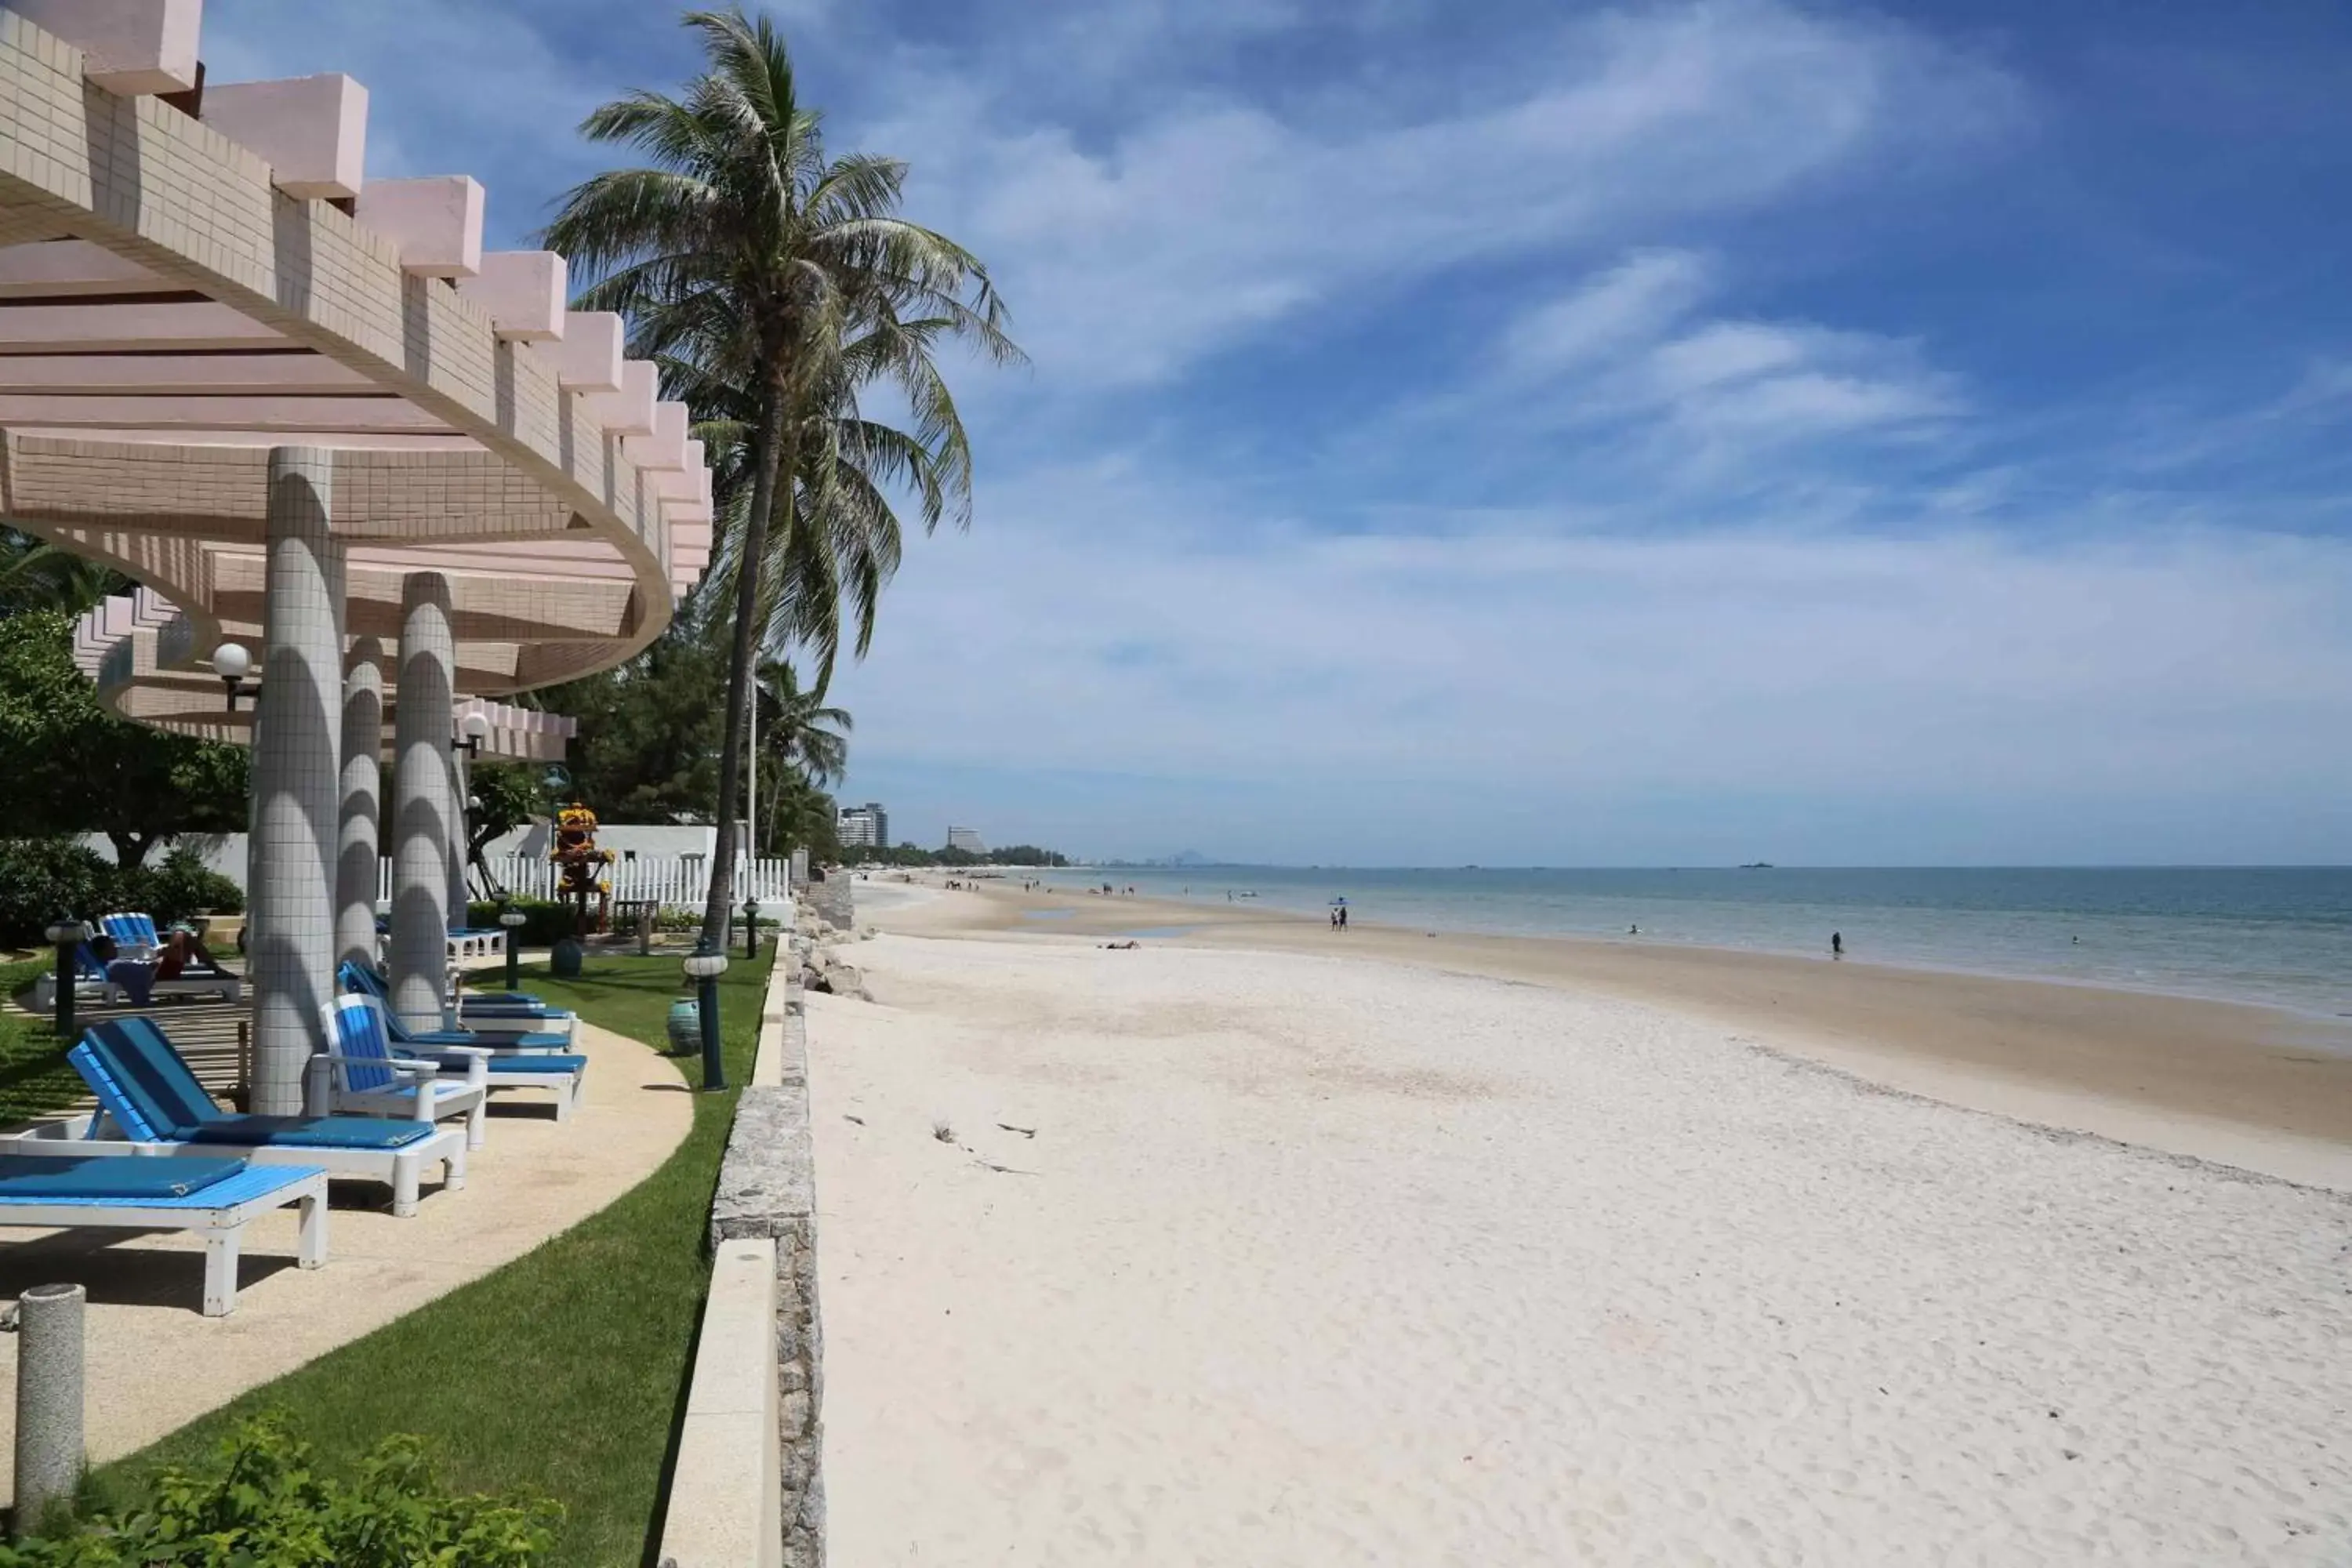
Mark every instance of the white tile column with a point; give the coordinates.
(356, 854)
(290, 954)
(422, 814)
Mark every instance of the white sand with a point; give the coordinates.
(1321, 1261)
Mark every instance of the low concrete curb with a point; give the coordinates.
(763, 1220)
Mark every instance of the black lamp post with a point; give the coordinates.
(511, 919)
(705, 967)
(66, 935)
(751, 928)
(232, 662)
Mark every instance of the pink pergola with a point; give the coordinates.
(311, 416)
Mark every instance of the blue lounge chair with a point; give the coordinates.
(360, 980)
(137, 940)
(217, 1198)
(151, 1103)
(365, 1027)
(503, 1016)
(363, 1075)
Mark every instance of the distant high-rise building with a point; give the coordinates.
(966, 839)
(864, 826)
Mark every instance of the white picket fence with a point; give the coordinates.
(673, 881)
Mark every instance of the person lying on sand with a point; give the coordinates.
(1120, 946)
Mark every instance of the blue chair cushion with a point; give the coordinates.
(428, 1039)
(517, 1064)
(309, 1132)
(104, 1177)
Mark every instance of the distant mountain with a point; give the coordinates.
(1190, 858)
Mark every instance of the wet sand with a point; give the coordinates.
(2257, 1087)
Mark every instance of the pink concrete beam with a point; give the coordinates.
(436, 223)
(666, 447)
(630, 411)
(128, 46)
(192, 417)
(587, 358)
(49, 269)
(94, 329)
(186, 372)
(522, 291)
(311, 130)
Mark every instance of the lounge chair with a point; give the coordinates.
(502, 1017)
(91, 981)
(151, 1103)
(215, 1196)
(366, 1026)
(363, 1077)
(136, 939)
(361, 981)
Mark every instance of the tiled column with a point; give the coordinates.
(290, 955)
(422, 814)
(356, 854)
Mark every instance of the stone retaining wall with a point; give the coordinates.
(767, 1190)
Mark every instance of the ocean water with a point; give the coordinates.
(2279, 936)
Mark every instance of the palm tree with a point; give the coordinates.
(802, 742)
(773, 283)
(36, 575)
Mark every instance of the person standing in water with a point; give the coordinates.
(1837, 944)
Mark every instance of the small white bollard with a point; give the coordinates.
(50, 1452)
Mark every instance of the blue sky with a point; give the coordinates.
(1541, 434)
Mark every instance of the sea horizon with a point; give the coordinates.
(2275, 936)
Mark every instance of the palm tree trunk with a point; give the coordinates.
(775, 456)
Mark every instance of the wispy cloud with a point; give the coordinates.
(1178, 236)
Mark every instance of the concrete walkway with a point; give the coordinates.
(155, 1363)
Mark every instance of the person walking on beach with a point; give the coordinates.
(1837, 945)
(1343, 917)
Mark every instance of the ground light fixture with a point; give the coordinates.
(66, 934)
(511, 919)
(232, 662)
(704, 967)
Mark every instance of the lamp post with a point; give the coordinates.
(511, 919)
(705, 967)
(472, 730)
(751, 928)
(66, 935)
(233, 663)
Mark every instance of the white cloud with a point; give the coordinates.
(1784, 658)
(1131, 256)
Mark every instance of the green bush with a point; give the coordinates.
(543, 924)
(41, 878)
(182, 886)
(260, 1502)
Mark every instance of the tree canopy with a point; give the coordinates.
(68, 766)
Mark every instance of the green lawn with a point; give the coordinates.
(34, 1077)
(563, 1371)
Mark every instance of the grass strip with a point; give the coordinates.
(563, 1370)
(34, 1077)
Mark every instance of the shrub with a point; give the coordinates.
(543, 924)
(41, 878)
(182, 886)
(259, 1502)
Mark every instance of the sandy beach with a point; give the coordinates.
(1228, 1253)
